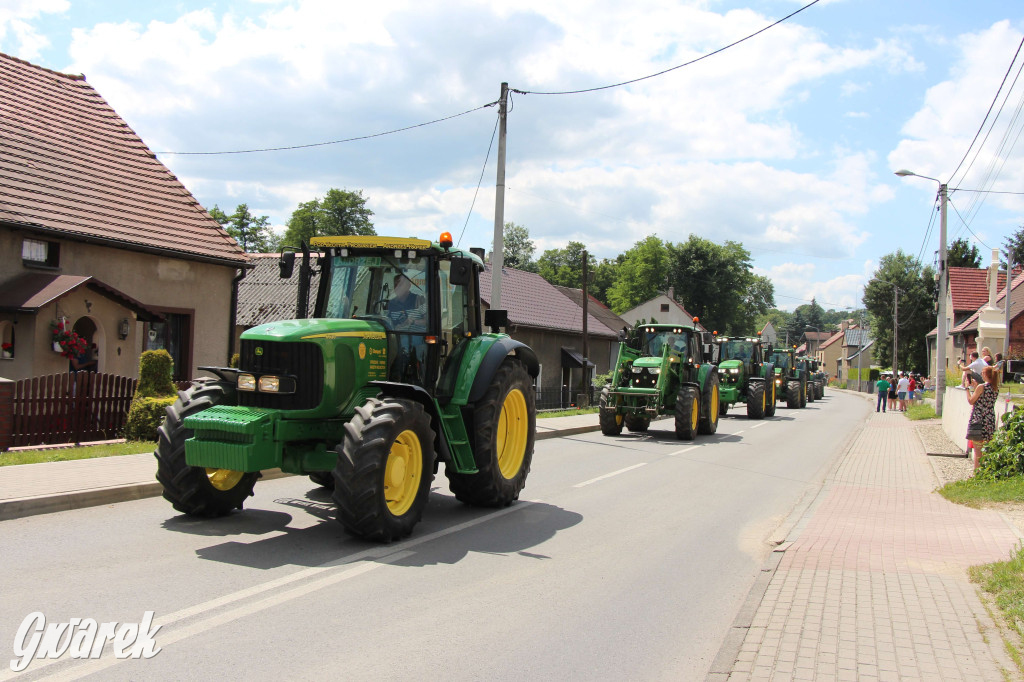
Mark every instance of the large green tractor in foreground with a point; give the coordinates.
(662, 369)
(791, 379)
(745, 376)
(392, 375)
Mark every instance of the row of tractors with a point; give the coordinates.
(696, 376)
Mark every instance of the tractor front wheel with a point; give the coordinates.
(611, 419)
(687, 413)
(385, 464)
(756, 405)
(197, 491)
(636, 423)
(792, 394)
(324, 479)
(504, 426)
(710, 401)
(770, 399)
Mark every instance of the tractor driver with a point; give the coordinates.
(408, 313)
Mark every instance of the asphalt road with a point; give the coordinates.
(627, 558)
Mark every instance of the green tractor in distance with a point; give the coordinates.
(390, 376)
(816, 379)
(745, 375)
(662, 369)
(790, 378)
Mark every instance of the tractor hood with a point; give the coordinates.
(726, 365)
(315, 328)
(647, 361)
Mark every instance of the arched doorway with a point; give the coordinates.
(85, 327)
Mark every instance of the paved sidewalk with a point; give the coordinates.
(30, 489)
(872, 583)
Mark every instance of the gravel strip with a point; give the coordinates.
(942, 453)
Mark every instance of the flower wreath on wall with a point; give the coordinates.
(69, 342)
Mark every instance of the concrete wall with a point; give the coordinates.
(956, 412)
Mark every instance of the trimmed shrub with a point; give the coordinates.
(1003, 456)
(153, 395)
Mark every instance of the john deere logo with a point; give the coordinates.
(259, 350)
(362, 351)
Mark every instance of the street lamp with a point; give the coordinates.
(940, 331)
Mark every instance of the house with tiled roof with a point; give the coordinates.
(263, 296)
(965, 334)
(98, 235)
(551, 323)
(768, 334)
(663, 309)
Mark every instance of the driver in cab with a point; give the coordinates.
(407, 310)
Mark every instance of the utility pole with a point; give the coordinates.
(895, 328)
(498, 256)
(1006, 303)
(585, 383)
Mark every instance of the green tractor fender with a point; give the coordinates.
(483, 369)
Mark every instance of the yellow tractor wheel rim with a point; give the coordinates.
(224, 479)
(403, 472)
(694, 414)
(714, 404)
(513, 427)
(619, 418)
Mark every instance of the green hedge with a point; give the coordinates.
(154, 393)
(145, 417)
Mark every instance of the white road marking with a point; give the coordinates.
(757, 426)
(736, 433)
(679, 452)
(614, 473)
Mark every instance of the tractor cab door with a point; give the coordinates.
(459, 307)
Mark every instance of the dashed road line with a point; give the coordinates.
(614, 473)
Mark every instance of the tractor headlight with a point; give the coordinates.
(654, 370)
(270, 384)
(734, 371)
(246, 382)
(637, 370)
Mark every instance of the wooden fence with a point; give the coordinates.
(71, 408)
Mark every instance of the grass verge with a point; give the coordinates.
(1004, 581)
(974, 493)
(567, 413)
(922, 411)
(77, 452)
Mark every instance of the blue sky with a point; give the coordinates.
(787, 142)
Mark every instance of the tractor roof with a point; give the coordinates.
(388, 243)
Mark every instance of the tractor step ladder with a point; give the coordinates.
(458, 440)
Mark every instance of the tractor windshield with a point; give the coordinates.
(781, 360)
(654, 341)
(379, 286)
(735, 350)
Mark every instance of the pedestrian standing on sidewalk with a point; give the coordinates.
(892, 391)
(982, 423)
(883, 393)
(912, 389)
(902, 386)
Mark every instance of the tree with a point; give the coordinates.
(518, 248)
(641, 275)
(339, 213)
(963, 254)
(805, 317)
(900, 276)
(1015, 245)
(253, 234)
(564, 267)
(716, 283)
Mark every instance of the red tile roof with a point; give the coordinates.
(532, 301)
(31, 291)
(69, 165)
(1016, 305)
(968, 287)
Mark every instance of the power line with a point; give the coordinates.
(480, 181)
(968, 227)
(347, 139)
(661, 73)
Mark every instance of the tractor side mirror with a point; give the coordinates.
(461, 271)
(287, 264)
(495, 319)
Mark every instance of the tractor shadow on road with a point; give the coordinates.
(455, 531)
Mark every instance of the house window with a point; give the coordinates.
(40, 254)
(174, 335)
(664, 307)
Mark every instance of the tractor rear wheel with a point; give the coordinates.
(636, 423)
(803, 394)
(770, 398)
(504, 425)
(710, 402)
(812, 391)
(611, 420)
(687, 412)
(792, 394)
(756, 400)
(197, 491)
(385, 466)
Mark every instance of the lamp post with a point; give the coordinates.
(940, 330)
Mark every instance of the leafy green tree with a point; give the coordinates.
(253, 234)
(1015, 245)
(963, 254)
(339, 213)
(641, 275)
(805, 318)
(716, 283)
(564, 267)
(603, 277)
(900, 276)
(518, 248)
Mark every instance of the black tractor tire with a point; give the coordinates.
(770, 400)
(812, 391)
(710, 401)
(324, 479)
(756, 404)
(385, 466)
(637, 424)
(608, 417)
(504, 426)
(793, 394)
(821, 390)
(197, 491)
(687, 412)
(723, 408)
(803, 394)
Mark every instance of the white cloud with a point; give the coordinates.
(17, 34)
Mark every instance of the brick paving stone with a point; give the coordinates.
(875, 585)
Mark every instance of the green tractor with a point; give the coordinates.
(745, 376)
(791, 380)
(662, 369)
(816, 379)
(391, 375)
